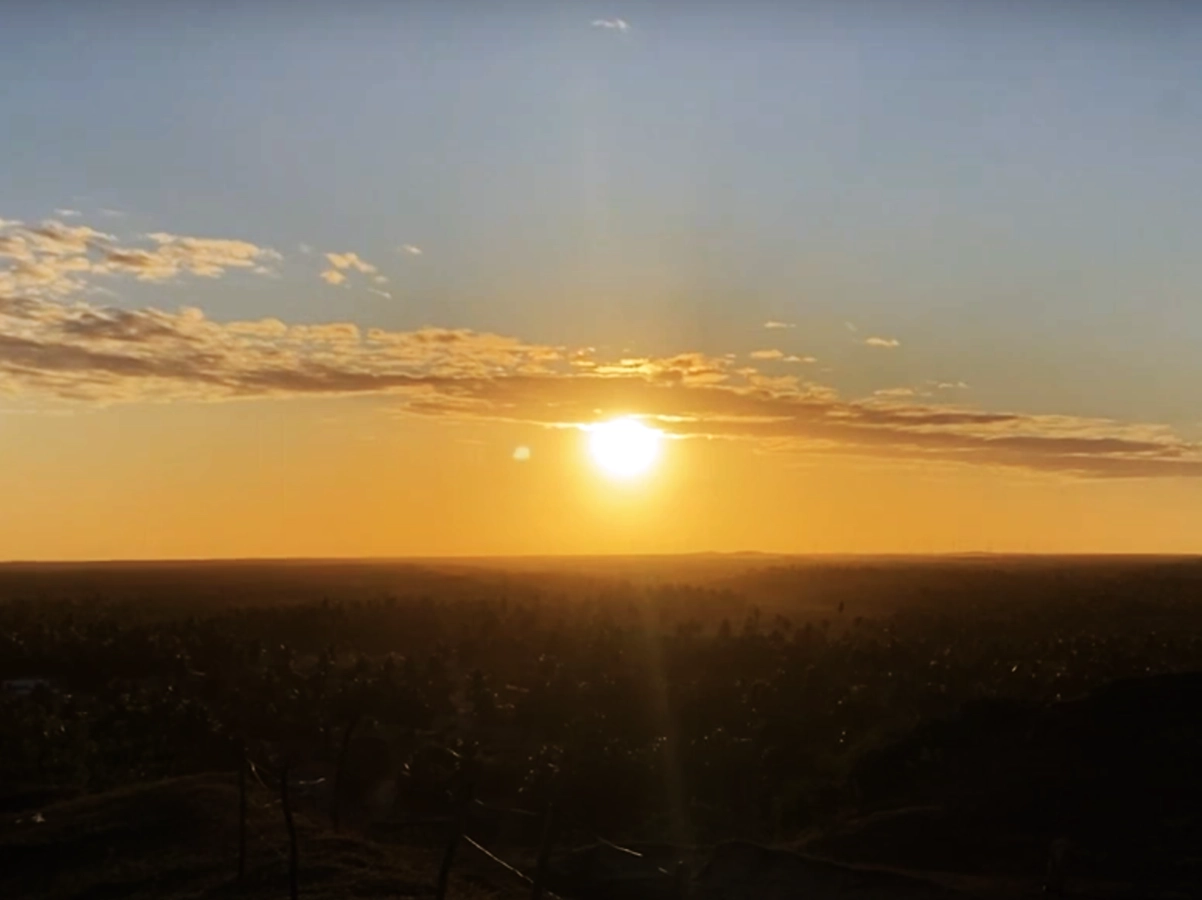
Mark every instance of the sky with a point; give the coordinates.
(357, 279)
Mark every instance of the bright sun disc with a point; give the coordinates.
(623, 447)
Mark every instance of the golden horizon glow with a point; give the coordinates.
(411, 341)
(624, 448)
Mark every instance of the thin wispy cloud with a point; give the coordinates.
(766, 354)
(775, 324)
(111, 213)
(68, 213)
(206, 257)
(341, 263)
(611, 24)
(412, 249)
(851, 326)
(793, 358)
(380, 293)
(350, 261)
(882, 342)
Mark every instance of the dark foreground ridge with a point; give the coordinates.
(178, 838)
(1110, 779)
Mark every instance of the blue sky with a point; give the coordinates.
(1010, 192)
(1014, 194)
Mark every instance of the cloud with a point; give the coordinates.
(15, 246)
(779, 355)
(111, 213)
(52, 259)
(380, 293)
(775, 324)
(85, 352)
(411, 249)
(611, 24)
(340, 263)
(851, 326)
(948, 385)
(53, 238)
(68, 213)
(894, 392)
(350, 261)
(176, 255)
(882, 342)
(57, 343)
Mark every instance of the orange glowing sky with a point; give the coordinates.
(368, 284)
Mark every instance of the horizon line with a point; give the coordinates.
(478, 558)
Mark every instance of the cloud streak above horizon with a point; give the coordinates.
(57, 345)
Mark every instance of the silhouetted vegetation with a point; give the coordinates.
(779, 702)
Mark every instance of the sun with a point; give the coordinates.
(623, 448)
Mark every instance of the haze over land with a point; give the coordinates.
(293, 281)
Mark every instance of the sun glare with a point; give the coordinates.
(623, 448)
